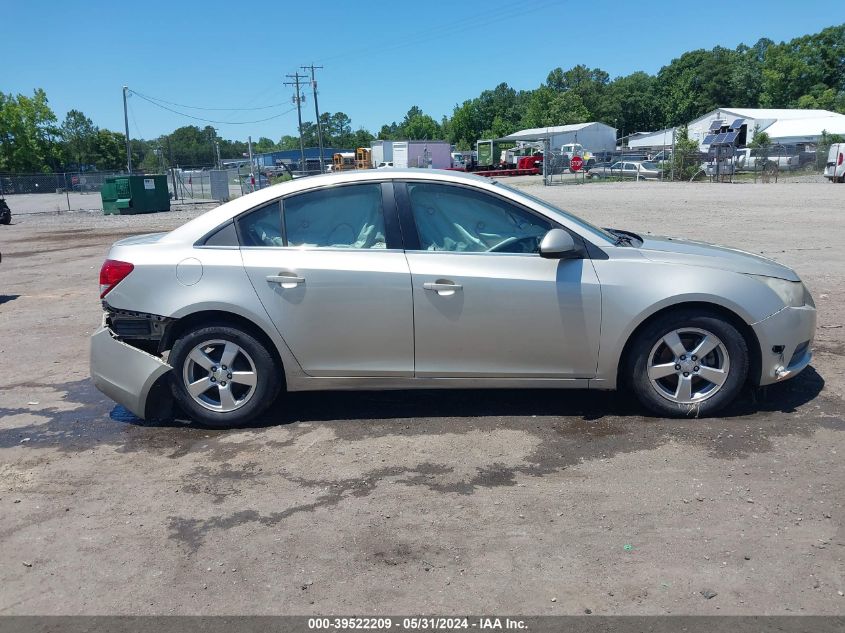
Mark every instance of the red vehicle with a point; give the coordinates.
(525, 166)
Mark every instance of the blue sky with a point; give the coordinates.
(380, 57)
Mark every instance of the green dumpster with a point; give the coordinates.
(124, 195)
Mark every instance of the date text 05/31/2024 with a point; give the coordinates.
(416, 623)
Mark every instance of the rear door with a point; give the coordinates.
(329, 268)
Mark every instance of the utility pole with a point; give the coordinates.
(126, 123)
(252, 167)
(298, 99)
(172, 169)
(213, 141)
(312, 67)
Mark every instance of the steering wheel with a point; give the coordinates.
(509, 245)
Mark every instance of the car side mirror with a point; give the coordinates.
(558, 244)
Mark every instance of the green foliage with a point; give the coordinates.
(760, 138)
(27, 133)
(685, 158)
(547, 107)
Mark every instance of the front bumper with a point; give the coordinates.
(124, 373)
(786, 340)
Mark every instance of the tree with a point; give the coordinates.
(421, 127)
(589, 84)
(79, 135)
(631, 104)
(547, 107)
(685, 162)
(264, 144)
(759, 138)
(27, 133)
(109, 150)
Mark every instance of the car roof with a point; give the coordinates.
(193, 230)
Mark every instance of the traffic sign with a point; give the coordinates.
(576, 163)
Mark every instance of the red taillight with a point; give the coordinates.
(840, 159)
(112, 273)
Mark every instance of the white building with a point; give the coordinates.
(662, 139)
(594, 136)
(785, 126)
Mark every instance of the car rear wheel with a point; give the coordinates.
(688, 364)
(223, 376)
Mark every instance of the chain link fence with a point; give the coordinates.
(80, 191)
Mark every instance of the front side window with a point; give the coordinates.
(337, 217)
(457, 219)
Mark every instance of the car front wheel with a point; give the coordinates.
(223, 376)
(688, 364)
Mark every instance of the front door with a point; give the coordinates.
(485, 303)
(329, 271)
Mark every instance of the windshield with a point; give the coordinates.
(594, 230)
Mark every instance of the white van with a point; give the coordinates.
(835, 168)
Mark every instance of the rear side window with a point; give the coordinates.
(338, 217)
(224, 236)
(262, 227)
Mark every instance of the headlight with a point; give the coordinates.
(792, 293)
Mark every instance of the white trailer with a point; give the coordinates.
(400, 154)
(594, 136)
(424, 154)
(382, 152)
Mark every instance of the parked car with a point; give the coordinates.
(417, 278)
(641, 170)
(385, 164)
(834, 170)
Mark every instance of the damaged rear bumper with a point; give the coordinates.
(124, 373)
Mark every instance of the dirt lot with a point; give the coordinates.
(455, 502)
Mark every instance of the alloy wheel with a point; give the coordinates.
(688, 365)
(219, 375)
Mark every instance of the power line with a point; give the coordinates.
(196, 118)
(182, 105)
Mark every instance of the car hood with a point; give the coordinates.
(677, 251)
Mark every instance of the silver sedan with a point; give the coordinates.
(400, 279)
(639, 169)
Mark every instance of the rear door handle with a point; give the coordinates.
(443, 288)
(287, 280)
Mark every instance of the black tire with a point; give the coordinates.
(268, 375)
(635, 370)
(6, 219)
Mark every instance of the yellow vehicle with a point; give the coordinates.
(343, 161)
(363, 158)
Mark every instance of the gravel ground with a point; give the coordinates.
(528, 502)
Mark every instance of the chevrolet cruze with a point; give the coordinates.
(401, 279)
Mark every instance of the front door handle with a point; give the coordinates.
(443, 287)
(286, 280)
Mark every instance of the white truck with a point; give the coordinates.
(754, 159)
(834, 169)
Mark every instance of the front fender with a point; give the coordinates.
(634, 289)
